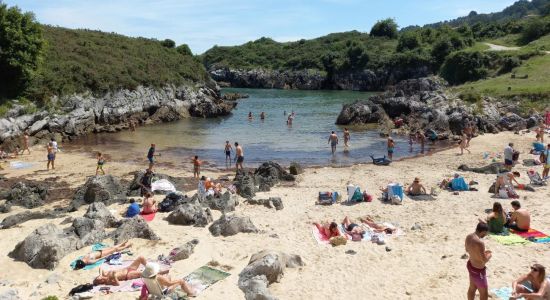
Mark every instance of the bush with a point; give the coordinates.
(385, 28)
(50, 298)
(21, 45)
(463, 66)
(408, 41)
(534, 30)
(184, 50)
(509, 63)
(470, 96)
(168, 43)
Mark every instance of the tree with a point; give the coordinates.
(168, 43)
(464, 66)
(408, 41)
(356, 57)
(385, 28)
(534, 30)
(21, 46)
(184, 49)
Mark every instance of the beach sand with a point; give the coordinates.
(423, 264)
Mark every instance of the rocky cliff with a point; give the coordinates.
(364, 80)
(85, 113)
(425, 104)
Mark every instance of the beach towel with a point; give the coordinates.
(426, 197)
(95, 247)
(204, 277)
(320, 237)
(148, 217)
(163, 185)
(533, 235)
(503, 293)
(459, 184)
(20, 165)
(509, 240)
(125, 285)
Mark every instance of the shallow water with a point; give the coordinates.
(306, 141)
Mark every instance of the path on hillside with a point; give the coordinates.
(493, 47)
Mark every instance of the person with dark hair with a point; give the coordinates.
(149, 204)
(506, 179)
(496, 219)
(133, 209)
(239, 156)
(26, 136)
(391, 147)
(328, 229)
(151, 156)
(333, 141)
(533, 285)
(94, 256)
(346, 137)
(115, 276)
(227, 150)
(146, 181)
(100, 163)
(520, 218)
(196, 166)
(476, 264)
(509, 156)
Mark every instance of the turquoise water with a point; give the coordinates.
(306, 141)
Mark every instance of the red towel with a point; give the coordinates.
(148, 217)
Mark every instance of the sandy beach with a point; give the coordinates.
(422, 264)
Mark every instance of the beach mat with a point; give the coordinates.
(533, 235)
(148, 217)
(509, 240)
(319, 237)
(503, 293)
(95, 247)
(426, 197)
(204, 277)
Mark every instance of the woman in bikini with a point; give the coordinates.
(130, 272)
(375, 226)
(533, 285)
(149, 204)
(328, 229)
(94, 256)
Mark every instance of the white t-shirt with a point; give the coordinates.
(508, 153)
(54, 145)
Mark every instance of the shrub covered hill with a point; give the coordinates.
(455, 49)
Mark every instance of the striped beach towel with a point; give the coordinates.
(533, 235)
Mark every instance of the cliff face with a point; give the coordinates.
(365, 80)
(85, 113)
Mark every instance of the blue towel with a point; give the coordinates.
(95, 247)
(133, 210)
(459, 184)
(395, 190)
(538, 146)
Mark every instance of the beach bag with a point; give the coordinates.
(338, 241)
(459, 184)
(357, 195)
(515, 156)
(367, 197)
(503, 194)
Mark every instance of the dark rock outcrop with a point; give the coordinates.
(190, 214)
(89, 231)
(228, 225)
(295, 169)
(25, 216)
(494, 168)
(360, 112)
(106, 189)
(45, 247)
(269, 174)
(271, 202)
(263, 269)
(131, 228)
(245, 184)
(184, 251)
(98, 211)
(173, 200)
(225, 203)
(28, 194)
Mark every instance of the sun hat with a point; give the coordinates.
(151, 270)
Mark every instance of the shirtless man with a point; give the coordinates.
(196, 166)
(262, 115)
(115, 276)
(421, 138)
(228, 148)
(239, 156)
(476, 264)
(346, 137)
(520, 219)
(391, 148)
(540, 133)
(333, 140)
(416, 188)
(26, 142)
(469, 132)
(51, 156)
(504, 179)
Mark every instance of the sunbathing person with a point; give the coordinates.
(114, 276)
(328, 229)
(149, 204)
(416, 188)
(353, 229)
(496, 219)
(375, 226)
(520, 219)
(94, 256)
(533, 285)
(505, 179)
(152, 273)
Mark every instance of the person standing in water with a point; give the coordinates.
(476, 264)
(422, 139)
(239, 156)
(228, 148)
(250, 116)
(51, 156)
(151, 156)
(26, 142)
(262, 116)
(391, 147)
(333, 140)
(100, 163)
(289, 119)
(346, 137)
(196, 167)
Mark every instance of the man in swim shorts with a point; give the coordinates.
(391, 147)
(239, 156)
(509, 156)
(333, 140)
(228, 149)
(51, 156)
(196, 167)
(151, 156)
(476, 264)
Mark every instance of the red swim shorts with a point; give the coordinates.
(478, 276)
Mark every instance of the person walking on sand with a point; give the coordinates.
(333, 140)
(239, 156)
(346, 137)
(464, 143)
(228, 148)
(477, 261)
(509, 156)
(468, 131)
(51, 156)
(151, 156)
(391, 147)
(196, 167)
(540, 132)
(100, 163)
(26, 142)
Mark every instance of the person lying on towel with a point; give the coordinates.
(329, 230)
(353, 229)
(375, 226)
(114, 276)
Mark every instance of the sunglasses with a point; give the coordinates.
(534, 269)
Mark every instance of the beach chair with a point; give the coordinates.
(155, 290)
(395, 193)
(535, 178)
(328, 198)
(354, 194)
(381, 161)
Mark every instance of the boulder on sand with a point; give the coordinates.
(98, 211)
(271, 202)
(131, 228)
(494, 168)
(269, 174)
(45, 247)
(295, 168)
(89, 231)
(245, 185)
(264, 268)
(28, 194)
(106, 189)
(185, 250)
(228, 225)
(134, 187)
(190, 214)
(27, 215)
(225, 203)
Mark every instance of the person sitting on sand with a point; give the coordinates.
(353, 229)
(133, 209)
(329, 230)
(375, 226)
(114, 277)
(533, 285)
(93, 257)
(149, 204)
(506, 179)
(496, 219)
(416, 188)
(520, 218)
(152, 272)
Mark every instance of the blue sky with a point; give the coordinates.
(204, 23)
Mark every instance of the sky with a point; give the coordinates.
(204, 23)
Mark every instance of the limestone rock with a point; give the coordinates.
(98, 211)
(131, 228)
(190, 214)
(184, 251)
(106, 189)
(225, 203)
(228, 225)
(89, 231)
(271, 202)
(28, 194)
(245, 185)
(25, 216)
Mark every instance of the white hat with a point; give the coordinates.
(151, 270)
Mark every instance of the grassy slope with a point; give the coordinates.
(81, 60)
